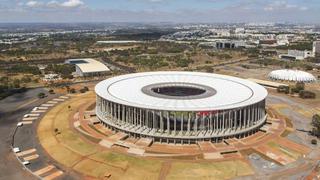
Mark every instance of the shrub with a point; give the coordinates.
(72, 91)
(307, 94)
(51, 91)
(41, 95)
(82, 90)
(314, 142)
(283, 89)
(316, 125)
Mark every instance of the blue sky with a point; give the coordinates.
(306, 11)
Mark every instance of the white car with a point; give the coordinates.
(26, 115)
(19, 124)
(25, 162)
(35, 109)
(16, 150)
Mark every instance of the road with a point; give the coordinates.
(12, 110)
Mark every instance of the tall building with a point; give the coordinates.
(316, 48)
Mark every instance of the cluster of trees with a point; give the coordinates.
(316, 125)
(285, 64)
(220, 55)
(152, 62)
(307, 94)
(252, 52)
(183, 62)
(299, 46)
(299, 88)
(23, 68)
(84, 89)
(70, 90)
(152, 48)
(65, 70)
(23, 52)
(283, 89)
(10, 86)
(156, 61)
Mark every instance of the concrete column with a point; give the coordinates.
(255, 113)
(196, 124)
(231, 117)
(240, 118)
(181, 128)
(161, 122)
(168, 123)
(223, 121)
(245, 117)
(250, 116)
(111, 110)
(175, 123)
(189, 123)
(123, 119)
(217, 121)
(135, 116)
(154, 121)
(236, 119)
(140, 117)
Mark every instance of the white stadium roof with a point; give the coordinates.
(88, 65)
(231, 92)
(291, 75)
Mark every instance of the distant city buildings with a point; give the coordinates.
(228, 44)
(316, 48)
(296, 55)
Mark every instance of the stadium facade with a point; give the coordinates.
(181, 107)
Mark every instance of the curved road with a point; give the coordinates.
(12, 110)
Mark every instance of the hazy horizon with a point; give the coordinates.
(155, 11)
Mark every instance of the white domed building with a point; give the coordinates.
(291, 75)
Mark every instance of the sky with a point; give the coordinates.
(178, 11)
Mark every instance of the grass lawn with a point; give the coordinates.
(209, 170)
(139, 168)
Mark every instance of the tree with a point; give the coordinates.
(82, 90)
(314, 142)
(56, 131)
(209, 69)
(72, 91)
(307, 94)
(51, 91)
(86, 88)
(316, 125)
(16, 83)
(41, 95)
(284, 89)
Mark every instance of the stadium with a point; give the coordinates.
(181, 107)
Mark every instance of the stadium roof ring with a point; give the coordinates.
(181, 105)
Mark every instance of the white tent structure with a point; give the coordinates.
(291, 75)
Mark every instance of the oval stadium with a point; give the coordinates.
(181, 107)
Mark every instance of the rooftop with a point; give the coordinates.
(88, 65)
(181, 91)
